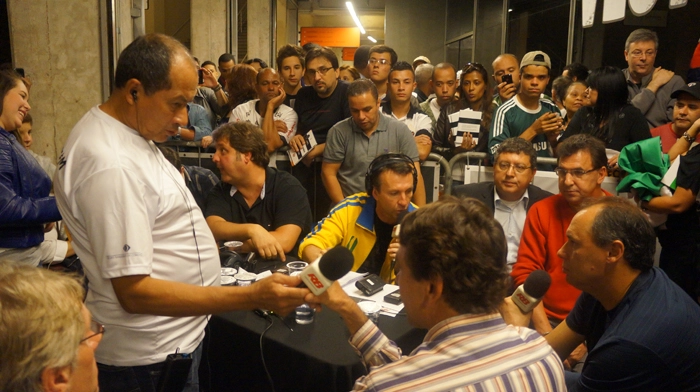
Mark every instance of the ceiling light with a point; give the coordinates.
(354, 16)
(369, 37)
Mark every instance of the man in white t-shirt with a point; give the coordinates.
(151, 260)
(277, 120)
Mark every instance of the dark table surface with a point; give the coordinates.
(313, 357)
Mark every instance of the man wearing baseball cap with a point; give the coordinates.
(528, 115)
(683, 130)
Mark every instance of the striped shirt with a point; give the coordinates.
(462, 353)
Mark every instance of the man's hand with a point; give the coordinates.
(336, 299)
(575, 356)
(659, 78)
(512, 314)
(468, 142)
(424, 140)
(206, 141)
(297, 143)
(279, 99)
(279, 293)
(265, 243)
(280, 126)
(209, 79)
(393, 248)
(506, 91)
(548, 122)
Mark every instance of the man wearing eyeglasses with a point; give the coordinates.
(511, 194)
(649, 88)
(381, 59)
(581, 170)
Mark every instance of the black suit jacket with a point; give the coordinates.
(483, 191)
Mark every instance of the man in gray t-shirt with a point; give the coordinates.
(353, 143)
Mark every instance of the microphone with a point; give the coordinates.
(331, 266)
(397, 229)
(530, 293)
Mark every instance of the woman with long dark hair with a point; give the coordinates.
(24, 186)
(475, 94)
(611, 118)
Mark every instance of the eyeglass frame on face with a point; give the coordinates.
(575, 173)
(517, 167)
(96, 329)
(373, 61)
(638, 53)
(321, 70)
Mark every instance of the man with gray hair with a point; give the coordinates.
(424, 90)
(47, 337)
(649, 88)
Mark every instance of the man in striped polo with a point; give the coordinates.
(451, 272)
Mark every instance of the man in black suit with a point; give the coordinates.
(511, 193)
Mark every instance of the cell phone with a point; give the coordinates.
(175, 372)
(20, 71)
(201, 76)
(507, 79)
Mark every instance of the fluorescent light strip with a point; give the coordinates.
(354, 16)
(369, 37)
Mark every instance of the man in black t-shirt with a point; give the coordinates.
(252, 203)
(319, 107)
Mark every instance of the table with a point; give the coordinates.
(313, 357)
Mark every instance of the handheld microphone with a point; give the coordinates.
(331, 266)
(530, 293)
(397, 229)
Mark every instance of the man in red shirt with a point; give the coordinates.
(686, 112)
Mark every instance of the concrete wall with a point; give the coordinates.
(416, 27)
(208, 29)
(259, 40)
(61, 54)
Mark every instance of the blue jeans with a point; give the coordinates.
(144, 378)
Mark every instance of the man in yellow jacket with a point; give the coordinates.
(364, 222)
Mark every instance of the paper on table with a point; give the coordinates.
(347, 282)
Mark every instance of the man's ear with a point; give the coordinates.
(56, 379)
(616, 250)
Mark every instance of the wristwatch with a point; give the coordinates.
(687, 137)
(217, 88)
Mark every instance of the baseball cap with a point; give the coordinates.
(692, 89)
(421, 58)
(536, 58)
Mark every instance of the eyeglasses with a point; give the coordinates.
(638, 53)
(380, 61)
(321, 70)
(518, 167)
(96, 329)
(576, 173)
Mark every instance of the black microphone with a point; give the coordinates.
(530, 293)
(331, 266)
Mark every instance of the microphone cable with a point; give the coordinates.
(264, 314)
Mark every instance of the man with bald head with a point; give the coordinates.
(151, 259)
(277, 120)
(505, 64)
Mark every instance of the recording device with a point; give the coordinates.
(20, 71)
(201, 76)
(507, 78)
(393, 298)
(331, 266)
(370, 285)
(530, 293)
(175, 371)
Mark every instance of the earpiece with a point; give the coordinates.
(134, 94)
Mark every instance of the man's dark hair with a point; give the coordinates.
(208, 63)
(402, 66)
(583, 142)
(245, 138)
(445, 66)
(517, 145)
(148, 59)
(309, 46)
(577, 71)
(618, 219)
(400, 166)
(171, 156)
(361, 57)
(289, 51)
(459, 241)
(322, 51)
(226, 57)
(384, 49)
(263, 64)
(362, 86)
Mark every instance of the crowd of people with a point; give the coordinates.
(147, 228)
